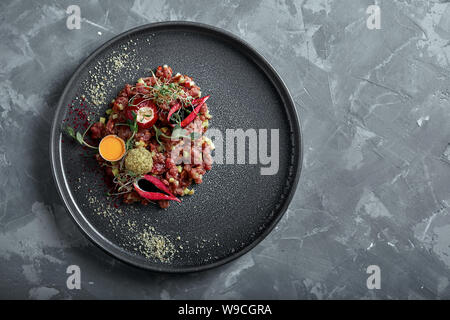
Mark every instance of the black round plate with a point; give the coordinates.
(236, 206)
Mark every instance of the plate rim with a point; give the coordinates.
(95, 236)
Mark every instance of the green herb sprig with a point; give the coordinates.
(79, 137)
(134, 129)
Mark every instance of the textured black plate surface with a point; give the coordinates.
(236, 206)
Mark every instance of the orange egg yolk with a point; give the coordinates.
(112, 148)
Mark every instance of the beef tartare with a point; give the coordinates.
(159, 123)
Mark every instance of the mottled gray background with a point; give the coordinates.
(374, 105)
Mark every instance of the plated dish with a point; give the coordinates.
(234, 207)
(151, 141)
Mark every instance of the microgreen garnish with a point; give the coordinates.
(79, 137)
(125, 182)
(164, 92)
(134, 129)
(159, 133)
(133, 123)
(176, 117)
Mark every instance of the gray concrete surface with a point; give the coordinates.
(375, 110)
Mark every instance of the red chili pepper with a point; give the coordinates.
(155, 195)
(198, 103)
(146, 113)
(158, 183)
(174, 109)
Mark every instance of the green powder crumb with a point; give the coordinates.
(156, 246)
